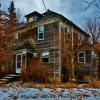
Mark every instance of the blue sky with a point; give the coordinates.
(74, 10)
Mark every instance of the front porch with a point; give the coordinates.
(21, 57)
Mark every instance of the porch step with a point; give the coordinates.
(14, 75)
(9, 78)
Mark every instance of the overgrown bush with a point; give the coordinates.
(79, 72)
(36, 71)
(65, 74)
(54, 80)
(5, 68)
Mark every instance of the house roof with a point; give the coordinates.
(49, 15)
(26, 45)
(33, 13)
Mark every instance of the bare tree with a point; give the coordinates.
(95, 3)
(92, 27)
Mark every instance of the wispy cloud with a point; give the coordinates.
(72, 9)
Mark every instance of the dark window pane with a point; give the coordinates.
(45, 59)
(81, 59)
(81, 54)
(18, 57)
(41, 36)
(18, 64)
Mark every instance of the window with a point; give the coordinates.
(16, 38)
(41, 33)
(68, 29)
(30, 19)
(45, 56)
(79, 39)
(81, 57)
(19, 61)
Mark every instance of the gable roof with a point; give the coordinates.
(33, 13)
(49, 15)
(26, 45)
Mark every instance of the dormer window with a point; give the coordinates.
(34, 16)
(30, 19)
(40, 32)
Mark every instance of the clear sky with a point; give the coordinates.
(74, 10)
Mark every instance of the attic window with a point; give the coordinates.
(40, 32)
(30, 19)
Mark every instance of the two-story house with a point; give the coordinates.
(53, 38)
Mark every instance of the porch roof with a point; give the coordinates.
(26, 45)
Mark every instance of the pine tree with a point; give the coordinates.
(13, 21)
(11, 24)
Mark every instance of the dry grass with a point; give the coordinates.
(96, 84)
(52, 86)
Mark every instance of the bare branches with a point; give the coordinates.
(92, 27)
(95, 3)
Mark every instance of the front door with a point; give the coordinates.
(18, 63)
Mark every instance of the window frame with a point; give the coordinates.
(81, 57)
(40, 32)
(19, 61)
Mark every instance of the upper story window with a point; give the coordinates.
(79, 39)
(16, 38)
(68, 29)
(81, 57)
(40, 32)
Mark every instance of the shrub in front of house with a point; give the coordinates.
(65, 74)
(79, 72)
(55, 80)
(36, 71)
(5, 68)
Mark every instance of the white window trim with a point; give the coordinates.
(40, 32)
(18, 61)
(81, 57)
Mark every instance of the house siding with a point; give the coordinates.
(58, 41)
